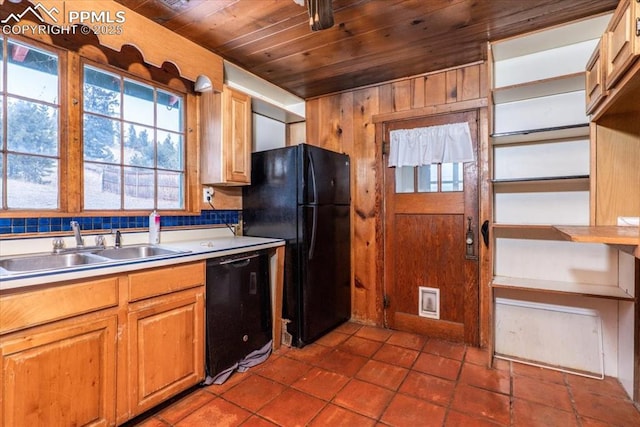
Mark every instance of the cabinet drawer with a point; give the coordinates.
(164, 280)
(36, 307)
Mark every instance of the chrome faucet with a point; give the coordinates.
(76, 233)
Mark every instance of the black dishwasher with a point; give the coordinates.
(238, 308)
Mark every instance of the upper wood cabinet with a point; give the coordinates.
(594, 78)
(622, 38)
(225, 138)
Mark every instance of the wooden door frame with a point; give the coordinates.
(485, 195)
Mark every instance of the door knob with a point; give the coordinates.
(469, 241)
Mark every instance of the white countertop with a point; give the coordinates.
(195, 250)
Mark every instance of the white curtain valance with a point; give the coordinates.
(449, 143)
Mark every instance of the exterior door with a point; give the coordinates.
(431, 272)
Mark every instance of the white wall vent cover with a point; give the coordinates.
(553, 336)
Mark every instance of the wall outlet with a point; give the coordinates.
(207, 194)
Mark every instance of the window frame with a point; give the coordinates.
(63, 112)
(184, 131)
(70, 170)
(440, 182)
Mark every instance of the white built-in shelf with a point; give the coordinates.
(550, 39)
(539, 88)
(542, 184)
(554, 134)
(625, 238)
(550, 286)
(526, 231)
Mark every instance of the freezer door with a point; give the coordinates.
(325, 177)
(325, 291)
(270, 202)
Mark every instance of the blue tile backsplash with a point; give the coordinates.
(51, 225)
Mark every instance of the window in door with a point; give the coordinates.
(133, 139)
(434, 178)
(29, 127)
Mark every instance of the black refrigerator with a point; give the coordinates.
(301, 194)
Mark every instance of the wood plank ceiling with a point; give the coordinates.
(372, 40)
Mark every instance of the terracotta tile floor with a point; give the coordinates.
(365, 376)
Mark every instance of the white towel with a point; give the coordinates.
(252, 359)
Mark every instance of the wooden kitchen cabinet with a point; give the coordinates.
(226, 137)
(594, 78)
(100, 351)
(62, 372)
(622, 40)
(165, 334)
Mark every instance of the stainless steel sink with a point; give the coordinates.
(48, 262)
(134, 252)
(32, 263)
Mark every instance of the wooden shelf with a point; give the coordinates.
(625, 238)
(526, 231)
(542, 184)
(542, 135)
(539, 88)
(600, 291)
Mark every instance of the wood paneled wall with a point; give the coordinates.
(346, 122)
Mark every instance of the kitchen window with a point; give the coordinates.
(133, 143)
(29, 115)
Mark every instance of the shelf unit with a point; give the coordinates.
(542, 176)
(579, 172)
(542, 173)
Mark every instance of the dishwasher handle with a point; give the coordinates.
(239, 262)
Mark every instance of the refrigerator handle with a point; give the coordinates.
(312, 244)
(313, 179)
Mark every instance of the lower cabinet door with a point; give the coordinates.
(61, 374)
(166, 348)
